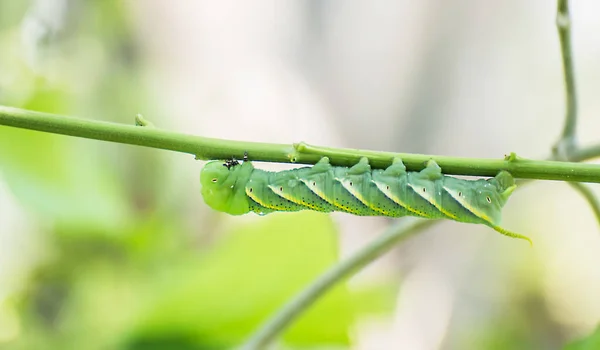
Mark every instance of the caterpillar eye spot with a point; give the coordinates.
(350, 183)
(281, 189)
(387, 187)
(460, 194)
(214, 180)
(424, 190)
(250, 190)
(488, 199)
(314, 183)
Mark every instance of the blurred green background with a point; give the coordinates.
(108, 246)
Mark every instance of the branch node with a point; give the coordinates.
(563, 21)
(563, 149)
(141, 121)
(512, 157)
(300, 146)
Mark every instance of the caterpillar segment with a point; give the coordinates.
(359, 183)
(429, 185)
(392, 183)
(237, 188)
(290, 185)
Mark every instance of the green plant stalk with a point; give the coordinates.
(211, 148)
(589, 196)
(567, 145)
(563, 23)
(404, 229)
(202, 147)
(585, 153)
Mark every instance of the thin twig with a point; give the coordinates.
(567, 145)
(302, 153)
(563, 23)
(589, 196)
(285, 315)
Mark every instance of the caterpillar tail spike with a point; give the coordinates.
(238, 188)
(512, 234)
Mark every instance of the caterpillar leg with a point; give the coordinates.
(432, 171)
(511, 234)
(506, 184)
(360, 168)
(321, 166)
(396, 169)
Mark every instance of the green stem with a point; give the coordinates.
(202, 147)
(589, 196)
(211, 148)
(518, 167)
(581, 154)
(566, 148)
(563, 23)
(399, 232)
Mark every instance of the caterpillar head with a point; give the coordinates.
(223, 186)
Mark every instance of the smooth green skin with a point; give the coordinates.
(223, 188)
(358, 190)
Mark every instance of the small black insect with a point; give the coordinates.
(230, 163)
(233, 162)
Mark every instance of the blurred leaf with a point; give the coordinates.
(220, 298)
(11, 13)
(591, 342)
(58, 177)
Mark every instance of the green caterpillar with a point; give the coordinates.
(237, 188)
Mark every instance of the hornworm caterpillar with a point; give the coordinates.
(237, 188)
